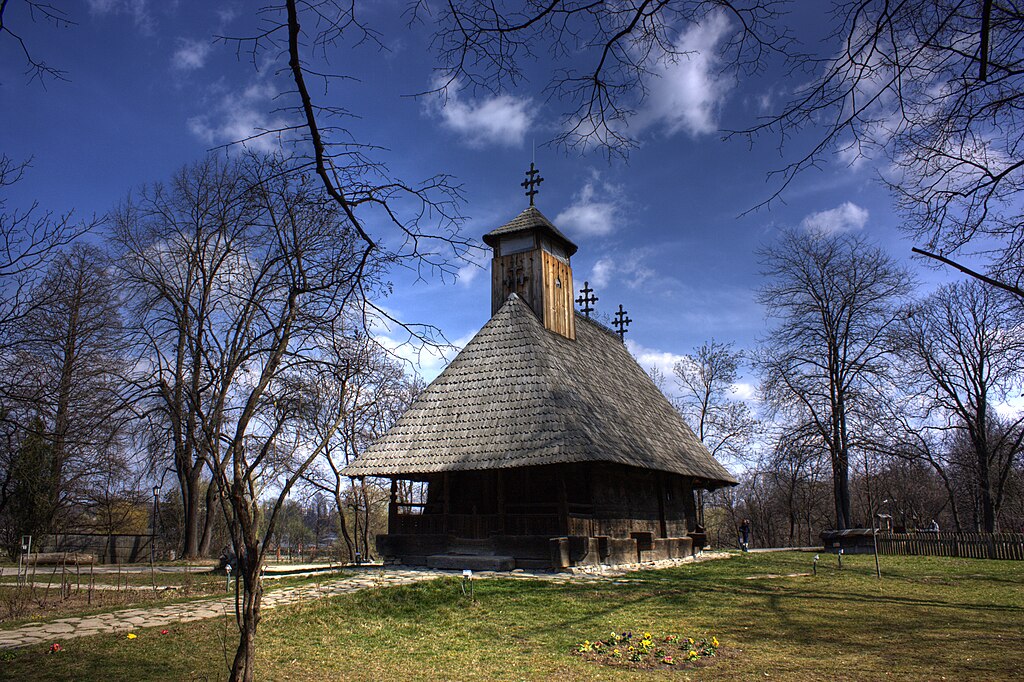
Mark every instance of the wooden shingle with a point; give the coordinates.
(519, 395)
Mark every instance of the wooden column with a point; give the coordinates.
(563, 502)
(662, 526)
(445, 499)
(393, 506)
(501, 501)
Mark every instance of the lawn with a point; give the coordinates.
(927, 619)
(20, 605)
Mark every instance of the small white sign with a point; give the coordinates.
(467, 573)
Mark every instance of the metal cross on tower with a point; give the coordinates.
(585, 300)
(621, 321)
(531, 182)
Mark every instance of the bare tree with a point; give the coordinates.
(296, 282)
(707, 379)
(240, 306)
(936, 87)
(29, 240)
(353, 405)
(965, 351)
(176, 244)
(904, 427)
(834, 298)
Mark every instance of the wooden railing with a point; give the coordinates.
(969, 545)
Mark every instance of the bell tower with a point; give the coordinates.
(531, 259)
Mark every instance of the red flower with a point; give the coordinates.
(54, 648)
(164, 632)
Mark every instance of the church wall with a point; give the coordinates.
(627, 500)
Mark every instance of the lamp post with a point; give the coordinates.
(152, 539)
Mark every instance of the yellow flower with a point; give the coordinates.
(691, 640)
(714, 642)
(132, 635)
(647, 635)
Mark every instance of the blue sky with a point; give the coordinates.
(148, 91)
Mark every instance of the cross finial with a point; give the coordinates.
(586, 299)
(531, 182)
(621, 321)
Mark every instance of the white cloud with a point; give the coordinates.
(427, 360)
(744, 391)
(847, 217)
(629, 267)
(477, 260)
(237, 116)
(602, 272)
(500, 120)
(589, 216)
(190, 55)
(688, 90)
(138, 10)
(650, 357)
(1011, 407)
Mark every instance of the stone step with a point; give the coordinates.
(473, 562)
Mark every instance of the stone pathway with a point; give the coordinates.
(125, 620)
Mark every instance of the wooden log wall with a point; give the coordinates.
(967, 545)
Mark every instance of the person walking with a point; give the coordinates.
(745, 535)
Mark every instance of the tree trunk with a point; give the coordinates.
(343, 524)
(243, 669)
(211, 511)
(366, 522)
(192, 508)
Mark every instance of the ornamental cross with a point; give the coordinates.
(586, 299)
(621, 321)
(531, 182)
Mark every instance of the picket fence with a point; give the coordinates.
(969, 545)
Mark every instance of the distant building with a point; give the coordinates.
(543, 444)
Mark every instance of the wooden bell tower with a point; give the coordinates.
(531, 259)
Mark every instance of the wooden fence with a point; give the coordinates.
(970, 545)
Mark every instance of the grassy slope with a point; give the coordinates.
(928, 618)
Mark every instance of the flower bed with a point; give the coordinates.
(646, 650)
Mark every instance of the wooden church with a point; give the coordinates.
(543, 444)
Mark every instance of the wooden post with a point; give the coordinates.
(501, 501)
(393, 507)
(563, 503)
(445, 499)
(662, 525)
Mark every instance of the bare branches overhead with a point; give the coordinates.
(415, 223)
(603, 55)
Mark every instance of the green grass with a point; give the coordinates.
(20, 606)
(926, 619)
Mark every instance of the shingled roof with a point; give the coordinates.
(528, 219)
(518, 395)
